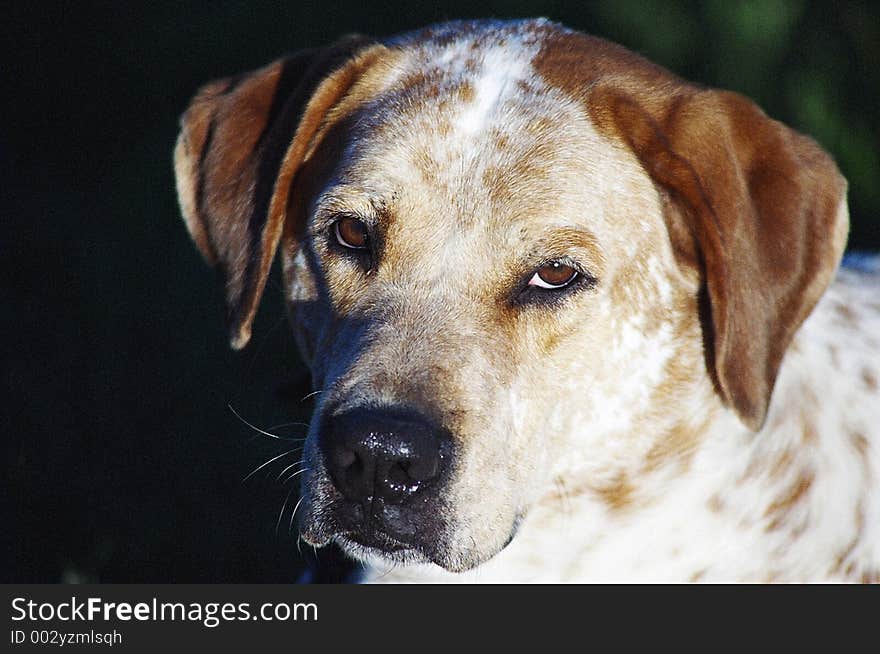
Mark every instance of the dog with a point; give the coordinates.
(569, 316)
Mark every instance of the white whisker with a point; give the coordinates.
(298, 472)
(258, 430)
(292, 465)
(283, 506)
(292, 515)
(290, 424)
(274, 458)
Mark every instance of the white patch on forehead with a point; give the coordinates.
(491, 66)
(501, 69)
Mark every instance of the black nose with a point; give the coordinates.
(373, 453)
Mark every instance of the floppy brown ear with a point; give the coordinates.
(237, 138)
(758, 207)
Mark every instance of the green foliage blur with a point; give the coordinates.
(812, 65)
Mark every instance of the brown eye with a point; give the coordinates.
(553, 275)
(351, 233)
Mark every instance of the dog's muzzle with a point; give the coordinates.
(389, 467)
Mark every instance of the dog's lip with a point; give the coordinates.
(374, 531)
(377, 540)
(391, 551)
(369, 532)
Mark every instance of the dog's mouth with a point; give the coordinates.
(380, 531)
(375, 539)
(376, 545)
(380, 484)
(382, 551)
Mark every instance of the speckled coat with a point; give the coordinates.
(701, 401)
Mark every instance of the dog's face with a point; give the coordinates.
(460, 269)
(507, 254)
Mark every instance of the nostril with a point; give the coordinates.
(344, 458)
(423, 468)
(352, 467)
(398, 476)
(373, 454)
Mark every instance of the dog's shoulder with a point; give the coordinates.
(846, 324)
(820, 449)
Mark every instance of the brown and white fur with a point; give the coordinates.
(704, 406)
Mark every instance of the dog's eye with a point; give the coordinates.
(553, 275)
(351, 233)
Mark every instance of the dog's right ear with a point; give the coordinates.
(241, 141)
(760, 210)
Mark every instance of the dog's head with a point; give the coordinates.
(509, 250)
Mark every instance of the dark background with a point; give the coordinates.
(123, 462)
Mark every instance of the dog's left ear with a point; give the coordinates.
(759, 209)
(242, 139)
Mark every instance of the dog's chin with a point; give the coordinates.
(381, 551)
(372, 546)
(378, 549)
(378, 546)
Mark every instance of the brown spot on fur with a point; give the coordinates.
(846, 314)
(618, 494)
(540, 125)
(500, 139)
(531, 167)
(780, 508)
(799, 530)
(678, 444)
(698, 575)
(416, 79)
(465, 92)
(860, 443)
(781, 464)
(443, 127)
(870, 379)
(809, 433)
(425, 164)
(845, 554)
(715, 504)
(871, 577)
(492, 178)
(532, 163)
(549, 341)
